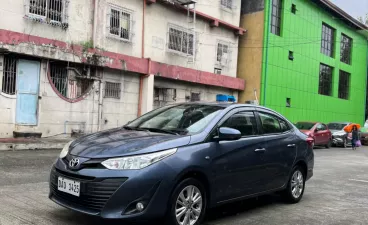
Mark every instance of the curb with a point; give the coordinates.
(31, 146)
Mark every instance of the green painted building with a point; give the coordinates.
(311, 57)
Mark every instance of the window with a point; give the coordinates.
(217, 71)
(112, 90)
(181, 40)
(227, 3)
(51, 11)
(70, 80)
(327, 44)
(293, 8)
(245, 122)
(284, 125)
(195, 97)
(120, 23)
(9, 75)
(345, 52)
(270, 124)
(288, 102)
(222, 54)
(344, 85)
(325, 80)
(291, 55)
(276, 17)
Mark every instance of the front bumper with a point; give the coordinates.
(339, 140)
(114, 194)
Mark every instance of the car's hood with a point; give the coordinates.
(335, 131)
(121, 142)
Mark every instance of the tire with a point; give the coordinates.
(329, 144)
(191, 206)
(289, 194)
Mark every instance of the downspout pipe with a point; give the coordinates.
(265, 52)
(100, 86)
(149, 62)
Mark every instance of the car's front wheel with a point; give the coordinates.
(187, 204)
(295, 188)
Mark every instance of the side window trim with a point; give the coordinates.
(221, 121)
(257, 125)
(258, 111)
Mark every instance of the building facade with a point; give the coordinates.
(305, 59)
(82, 66)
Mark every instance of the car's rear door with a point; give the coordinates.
(281, 148)
(238, 166)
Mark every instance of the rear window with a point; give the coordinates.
(304, 125)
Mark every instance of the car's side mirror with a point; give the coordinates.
(228, 134)
(316, 130)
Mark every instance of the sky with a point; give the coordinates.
(354, 7)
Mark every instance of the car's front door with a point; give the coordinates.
(281, 149)
(238, 165)
(318, 134)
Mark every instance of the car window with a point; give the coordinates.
(270, 123)
(336, 126)
(245, 122)
(319, 127)
(284, 125)
(324, 127)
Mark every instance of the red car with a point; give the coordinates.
(320, 133)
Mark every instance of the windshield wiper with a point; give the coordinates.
(160, 130)
(134, 128)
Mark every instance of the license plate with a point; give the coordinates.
(69, 186)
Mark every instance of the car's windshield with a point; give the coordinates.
(181, 119)
(336, 126)
(304, 125)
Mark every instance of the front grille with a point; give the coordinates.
(94, 193)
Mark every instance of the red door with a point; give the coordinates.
(318, 134)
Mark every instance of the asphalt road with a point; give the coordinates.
(337, 194)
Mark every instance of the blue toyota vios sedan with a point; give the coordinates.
(177, 161)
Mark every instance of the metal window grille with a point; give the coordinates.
(276, 17)
(222, 53)
(9, 75)
(218, 71)
(227, 3)
(327, 43)
(120, 23)
(50, 11)
(195, 97)
(345, 53)
(68, 84)
(162, 96)
(181, 40)
(344, 85)
(325, 80)
(112, 90)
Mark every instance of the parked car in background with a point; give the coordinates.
(177, 161)
(364, 135)
(318, 131)
(339, 136)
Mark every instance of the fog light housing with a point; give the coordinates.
(139, 206)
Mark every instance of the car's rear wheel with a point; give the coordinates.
(187, 203)
(329, 144)
(295, 188)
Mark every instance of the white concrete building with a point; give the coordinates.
(89, 65)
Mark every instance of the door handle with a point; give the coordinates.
(291, 145)
(260, 150)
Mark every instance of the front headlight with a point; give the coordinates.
(137, 162)
(65, 150)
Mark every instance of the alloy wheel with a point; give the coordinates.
(297, 184)
(189, 205)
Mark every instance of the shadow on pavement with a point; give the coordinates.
(218, 213)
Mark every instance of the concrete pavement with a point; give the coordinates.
(336, 195)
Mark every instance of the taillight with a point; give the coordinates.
(310, 142)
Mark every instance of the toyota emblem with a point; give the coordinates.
(74, 163)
